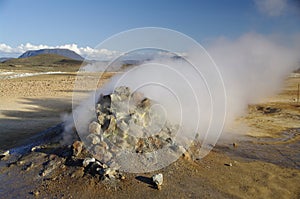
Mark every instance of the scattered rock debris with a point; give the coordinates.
(50, 166)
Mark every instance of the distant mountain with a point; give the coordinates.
(62, 52)
(46, 60)
(3, 59)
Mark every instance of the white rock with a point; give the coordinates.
(5, 153)
(228, 164)
(110, 173)
(158, 179)
(99, 163)
(35, 148)
(87, 161)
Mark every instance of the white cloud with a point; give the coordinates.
(88, 52)
(5, 48)
(272, 8)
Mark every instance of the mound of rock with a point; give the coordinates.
(127, 121)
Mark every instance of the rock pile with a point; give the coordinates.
(129, 122)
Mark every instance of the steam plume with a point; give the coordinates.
(252, 67)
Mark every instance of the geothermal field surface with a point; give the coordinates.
(258, 158)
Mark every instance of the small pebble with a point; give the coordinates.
(36, 193)
(4, 155)
(35, 148)
(77, 148)
(158, 180)
(187, 156)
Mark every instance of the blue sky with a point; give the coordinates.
(87, 23)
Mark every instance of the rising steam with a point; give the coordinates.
(252, 67)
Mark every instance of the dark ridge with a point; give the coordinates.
(63, 52)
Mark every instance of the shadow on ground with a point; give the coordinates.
(38, 115)
(146, 180)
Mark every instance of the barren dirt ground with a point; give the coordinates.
(32, 104)
(265, 163)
